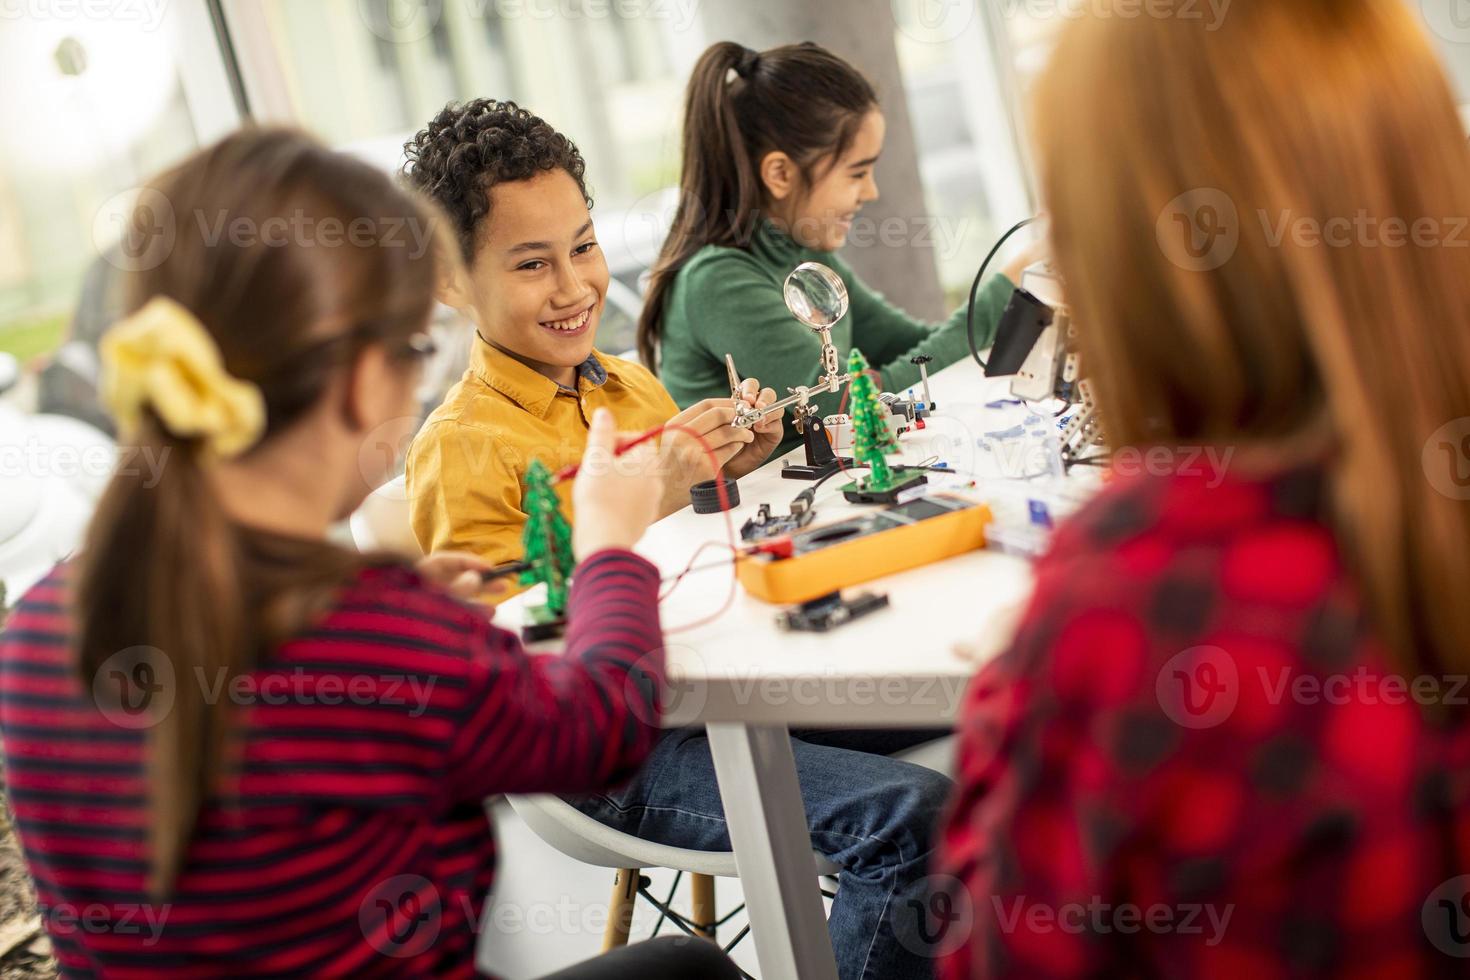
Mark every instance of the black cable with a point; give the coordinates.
(664, 908)
(975, 287)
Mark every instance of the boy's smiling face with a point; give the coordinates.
(538, 277)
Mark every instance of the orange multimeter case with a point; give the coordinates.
(866, 546)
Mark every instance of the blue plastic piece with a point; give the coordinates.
(1040, 515)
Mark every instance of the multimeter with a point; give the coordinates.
(868, 546)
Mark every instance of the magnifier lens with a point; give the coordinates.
(815, 295)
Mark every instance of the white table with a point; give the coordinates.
(748, 681)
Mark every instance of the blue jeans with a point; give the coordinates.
(872, 816)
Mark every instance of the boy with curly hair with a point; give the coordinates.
(534, 283)
(515, 190)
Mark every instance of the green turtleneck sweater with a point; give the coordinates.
(729, 301)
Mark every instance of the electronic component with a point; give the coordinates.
(767, 525)
(864, 547)
(706, 496)
(830, 611)
(921, 361)
(501, 571)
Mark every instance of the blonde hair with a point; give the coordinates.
(1187, 168)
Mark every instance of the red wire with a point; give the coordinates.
(729, 532)
(690, 566)
(720, 492)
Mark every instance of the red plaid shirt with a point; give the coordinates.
(1193, 760)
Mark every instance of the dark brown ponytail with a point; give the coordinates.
(167, 583)
(799, 99)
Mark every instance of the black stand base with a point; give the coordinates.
(809, 471)
(887, 495)
(543, 625)
(820, 459)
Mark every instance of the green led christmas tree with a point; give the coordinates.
(872, 440)
(548, 544)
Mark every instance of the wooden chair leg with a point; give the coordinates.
(620, 908)
(702, 904)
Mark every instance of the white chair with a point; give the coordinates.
(381, 523)
(578, 836)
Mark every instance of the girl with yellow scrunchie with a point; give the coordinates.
(278, 748)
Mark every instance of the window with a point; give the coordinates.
(107, 101)
(367, 74)
(959, 65)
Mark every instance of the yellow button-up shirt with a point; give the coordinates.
(466, 464)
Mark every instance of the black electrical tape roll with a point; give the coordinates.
(706, 497)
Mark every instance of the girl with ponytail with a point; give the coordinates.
(780, 150)
(242, 749)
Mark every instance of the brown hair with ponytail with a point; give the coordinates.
(799, 99)
(1353, 355)
(165, 577)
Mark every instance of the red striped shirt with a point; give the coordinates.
(357, 842)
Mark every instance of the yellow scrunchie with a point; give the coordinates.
(162, 357)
